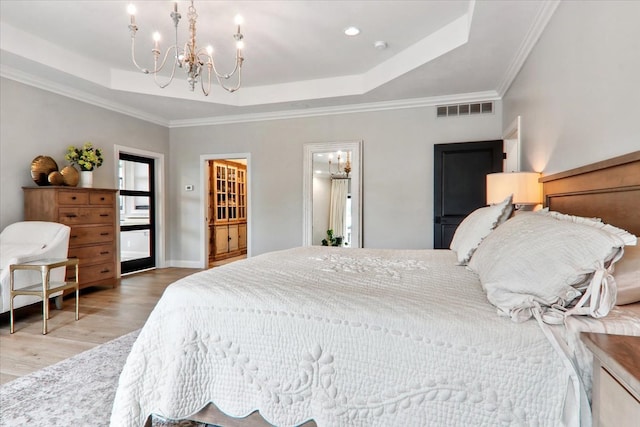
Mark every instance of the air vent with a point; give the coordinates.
(464, 109)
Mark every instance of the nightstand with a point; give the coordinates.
(45, 288)
(616, 379)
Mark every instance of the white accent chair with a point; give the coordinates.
(29, 241)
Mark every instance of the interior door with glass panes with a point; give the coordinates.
(137, 213)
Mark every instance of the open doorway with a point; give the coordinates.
(227, 210)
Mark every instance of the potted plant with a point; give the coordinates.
(332, 241)
(87, 158)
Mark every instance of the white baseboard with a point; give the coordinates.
(183, 263)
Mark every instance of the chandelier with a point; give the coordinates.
(340, 171)
(192, 59)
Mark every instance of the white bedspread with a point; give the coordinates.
(345, 337)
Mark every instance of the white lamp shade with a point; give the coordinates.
(524, 186)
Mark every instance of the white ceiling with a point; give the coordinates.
(298, 60)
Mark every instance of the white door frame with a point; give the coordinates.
(160, 228)
(512, 137)
(204, 192)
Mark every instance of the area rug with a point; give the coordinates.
(78, 391)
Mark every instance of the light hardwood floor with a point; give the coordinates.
(105, 314)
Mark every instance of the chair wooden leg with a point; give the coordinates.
(11, 284)
(77, 303)
(45, 301)
(11, 330)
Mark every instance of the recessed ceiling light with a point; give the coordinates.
(352, 31)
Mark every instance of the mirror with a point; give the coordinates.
(325, 180)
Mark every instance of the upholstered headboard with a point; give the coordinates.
(609, 189)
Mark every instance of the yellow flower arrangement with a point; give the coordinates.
(86, 157)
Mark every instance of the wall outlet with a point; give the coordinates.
(188, 187)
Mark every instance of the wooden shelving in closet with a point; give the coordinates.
(227, 209)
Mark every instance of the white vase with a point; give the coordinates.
(86, 179)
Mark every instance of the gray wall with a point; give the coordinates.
(397, 174)
(578, 92)
(36, 122)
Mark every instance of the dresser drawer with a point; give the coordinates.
(73, 197)
(72, 216)
(93, 254)
(85, 235)
(93, 273)
(101, 198)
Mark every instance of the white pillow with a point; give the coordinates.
(476, 226)
(627, 269)
(627, 274)
(545, 259)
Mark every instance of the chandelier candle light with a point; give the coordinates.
(340, 171)
(191, 58)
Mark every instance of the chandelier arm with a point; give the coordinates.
(156, 68)
(231, 89)
(133, 54)
(221, 77)
(166, 56)
(227, 76)
(228, 88)
(208, 88)
(173, 69)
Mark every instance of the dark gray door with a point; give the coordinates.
(460, 183)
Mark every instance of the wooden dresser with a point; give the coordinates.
(91, 214)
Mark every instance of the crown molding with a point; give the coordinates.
(543, 17)
(78, 95)
(342, 109)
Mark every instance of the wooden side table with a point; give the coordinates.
(46, 288)
(616, 379)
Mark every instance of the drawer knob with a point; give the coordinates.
(101, 198)
(104, 214)
(104, 253)
(104, 234)
(106, 270)
(74, 237)
(73, 197)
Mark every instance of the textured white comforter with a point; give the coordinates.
(345, 337)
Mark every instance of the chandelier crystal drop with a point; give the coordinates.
(192, 59)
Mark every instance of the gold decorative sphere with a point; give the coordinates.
(41, 167)
(55, 178)
(70, 176)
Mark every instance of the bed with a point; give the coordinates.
(346, 337)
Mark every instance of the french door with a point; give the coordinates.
(137, 213)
